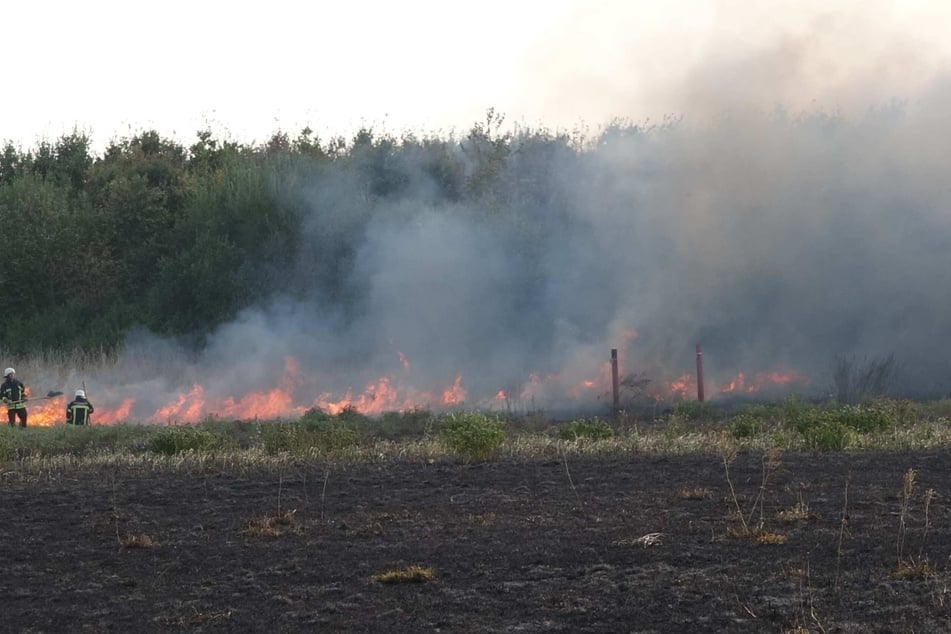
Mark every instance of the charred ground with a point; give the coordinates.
(578, 544)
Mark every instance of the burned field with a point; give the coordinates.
(849, 542)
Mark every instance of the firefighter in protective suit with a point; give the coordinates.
(79, 411)
(14, 395)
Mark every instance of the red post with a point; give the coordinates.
(614, 381)
(699, 373)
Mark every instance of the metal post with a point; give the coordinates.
(699, 373)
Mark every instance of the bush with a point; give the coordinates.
(471, 434)
(591, 429)
(174, 440)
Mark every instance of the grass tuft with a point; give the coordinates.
(694, 493)
(410, 574)
(138, 541)
(272, 525)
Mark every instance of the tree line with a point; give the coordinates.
(151, 233)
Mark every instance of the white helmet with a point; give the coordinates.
(9, 371)
(81, 393)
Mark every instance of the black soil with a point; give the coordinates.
(605, 544)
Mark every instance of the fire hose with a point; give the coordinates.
(39, 398)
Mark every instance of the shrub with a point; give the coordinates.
(174, 440)
(591, 429)
(471, 434)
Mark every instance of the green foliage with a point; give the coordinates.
(745, 425)
(590, 429)
(866, 419)
(7, 450)
(178, 439)
(835, 427)
(828, 435)
(473, 435)
(314, 432)
(414, 423)
(695, 410)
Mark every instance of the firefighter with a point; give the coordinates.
(79, 411)
(13, 393)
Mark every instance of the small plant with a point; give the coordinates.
(471, 434)
(910, 567)
(410, 574)
(753, 521)
(589, 429)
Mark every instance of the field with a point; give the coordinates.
(558, 541)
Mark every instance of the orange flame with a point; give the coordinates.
(764, 381)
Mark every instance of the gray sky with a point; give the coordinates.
(246, 69)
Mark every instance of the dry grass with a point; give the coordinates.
(650, 539)
(800, 511)
(769, 538)
(694, 493)
(914, 571)
(410, 574)
(272, 525)
(138, 541)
